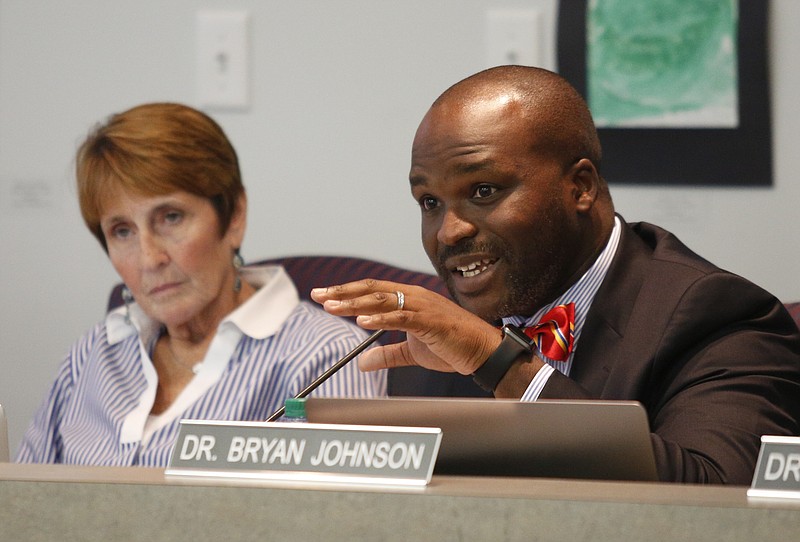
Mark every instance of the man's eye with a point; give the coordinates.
(428, 203)
(484, 191)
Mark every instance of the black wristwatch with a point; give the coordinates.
(514, 344)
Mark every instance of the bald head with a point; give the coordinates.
(514, 211)
(558, 117)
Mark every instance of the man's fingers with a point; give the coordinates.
(365, 297)
(385, 357)
(399, 355)
(353, 289)
(371, 304)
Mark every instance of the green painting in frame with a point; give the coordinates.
(678, 88)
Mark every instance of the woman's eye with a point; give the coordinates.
(484, 191)
(173, 217)
(121, 232)
(428, 203)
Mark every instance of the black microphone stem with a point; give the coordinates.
(327, 374)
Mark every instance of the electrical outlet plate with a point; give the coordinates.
(223, 59)
(515, 36)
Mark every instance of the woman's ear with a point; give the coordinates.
(238, 223)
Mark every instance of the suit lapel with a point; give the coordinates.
(601, 350)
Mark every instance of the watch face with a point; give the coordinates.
(518, 335)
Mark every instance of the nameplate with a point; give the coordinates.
(778, 468)
(305, 452)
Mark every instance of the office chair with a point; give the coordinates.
(794, 310)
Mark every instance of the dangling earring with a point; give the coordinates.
(127, 297)
(238, 262)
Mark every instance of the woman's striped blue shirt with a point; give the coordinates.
(97, 411)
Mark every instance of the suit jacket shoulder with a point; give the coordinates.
(691, 342)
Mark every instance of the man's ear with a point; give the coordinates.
(585, 184)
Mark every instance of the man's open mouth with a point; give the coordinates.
(474, 268)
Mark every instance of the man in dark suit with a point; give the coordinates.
(520, 224)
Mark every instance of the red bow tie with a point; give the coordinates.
(555, 332)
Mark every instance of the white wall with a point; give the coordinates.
(338, 89)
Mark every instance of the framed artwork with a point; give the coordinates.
(679, 89)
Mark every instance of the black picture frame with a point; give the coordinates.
(739, 156)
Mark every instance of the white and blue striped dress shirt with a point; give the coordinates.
(582, 294)
(98, 409)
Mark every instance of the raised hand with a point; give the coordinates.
(441, 335)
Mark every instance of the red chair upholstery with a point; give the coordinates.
(794, 310)
(309, 272)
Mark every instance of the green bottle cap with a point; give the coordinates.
(295, 408)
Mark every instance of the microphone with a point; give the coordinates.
(330, 372)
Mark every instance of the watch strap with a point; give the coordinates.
(514, 344)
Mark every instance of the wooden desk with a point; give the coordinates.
(53, 502)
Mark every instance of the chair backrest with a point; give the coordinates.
(309, 272)
(794, 310)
